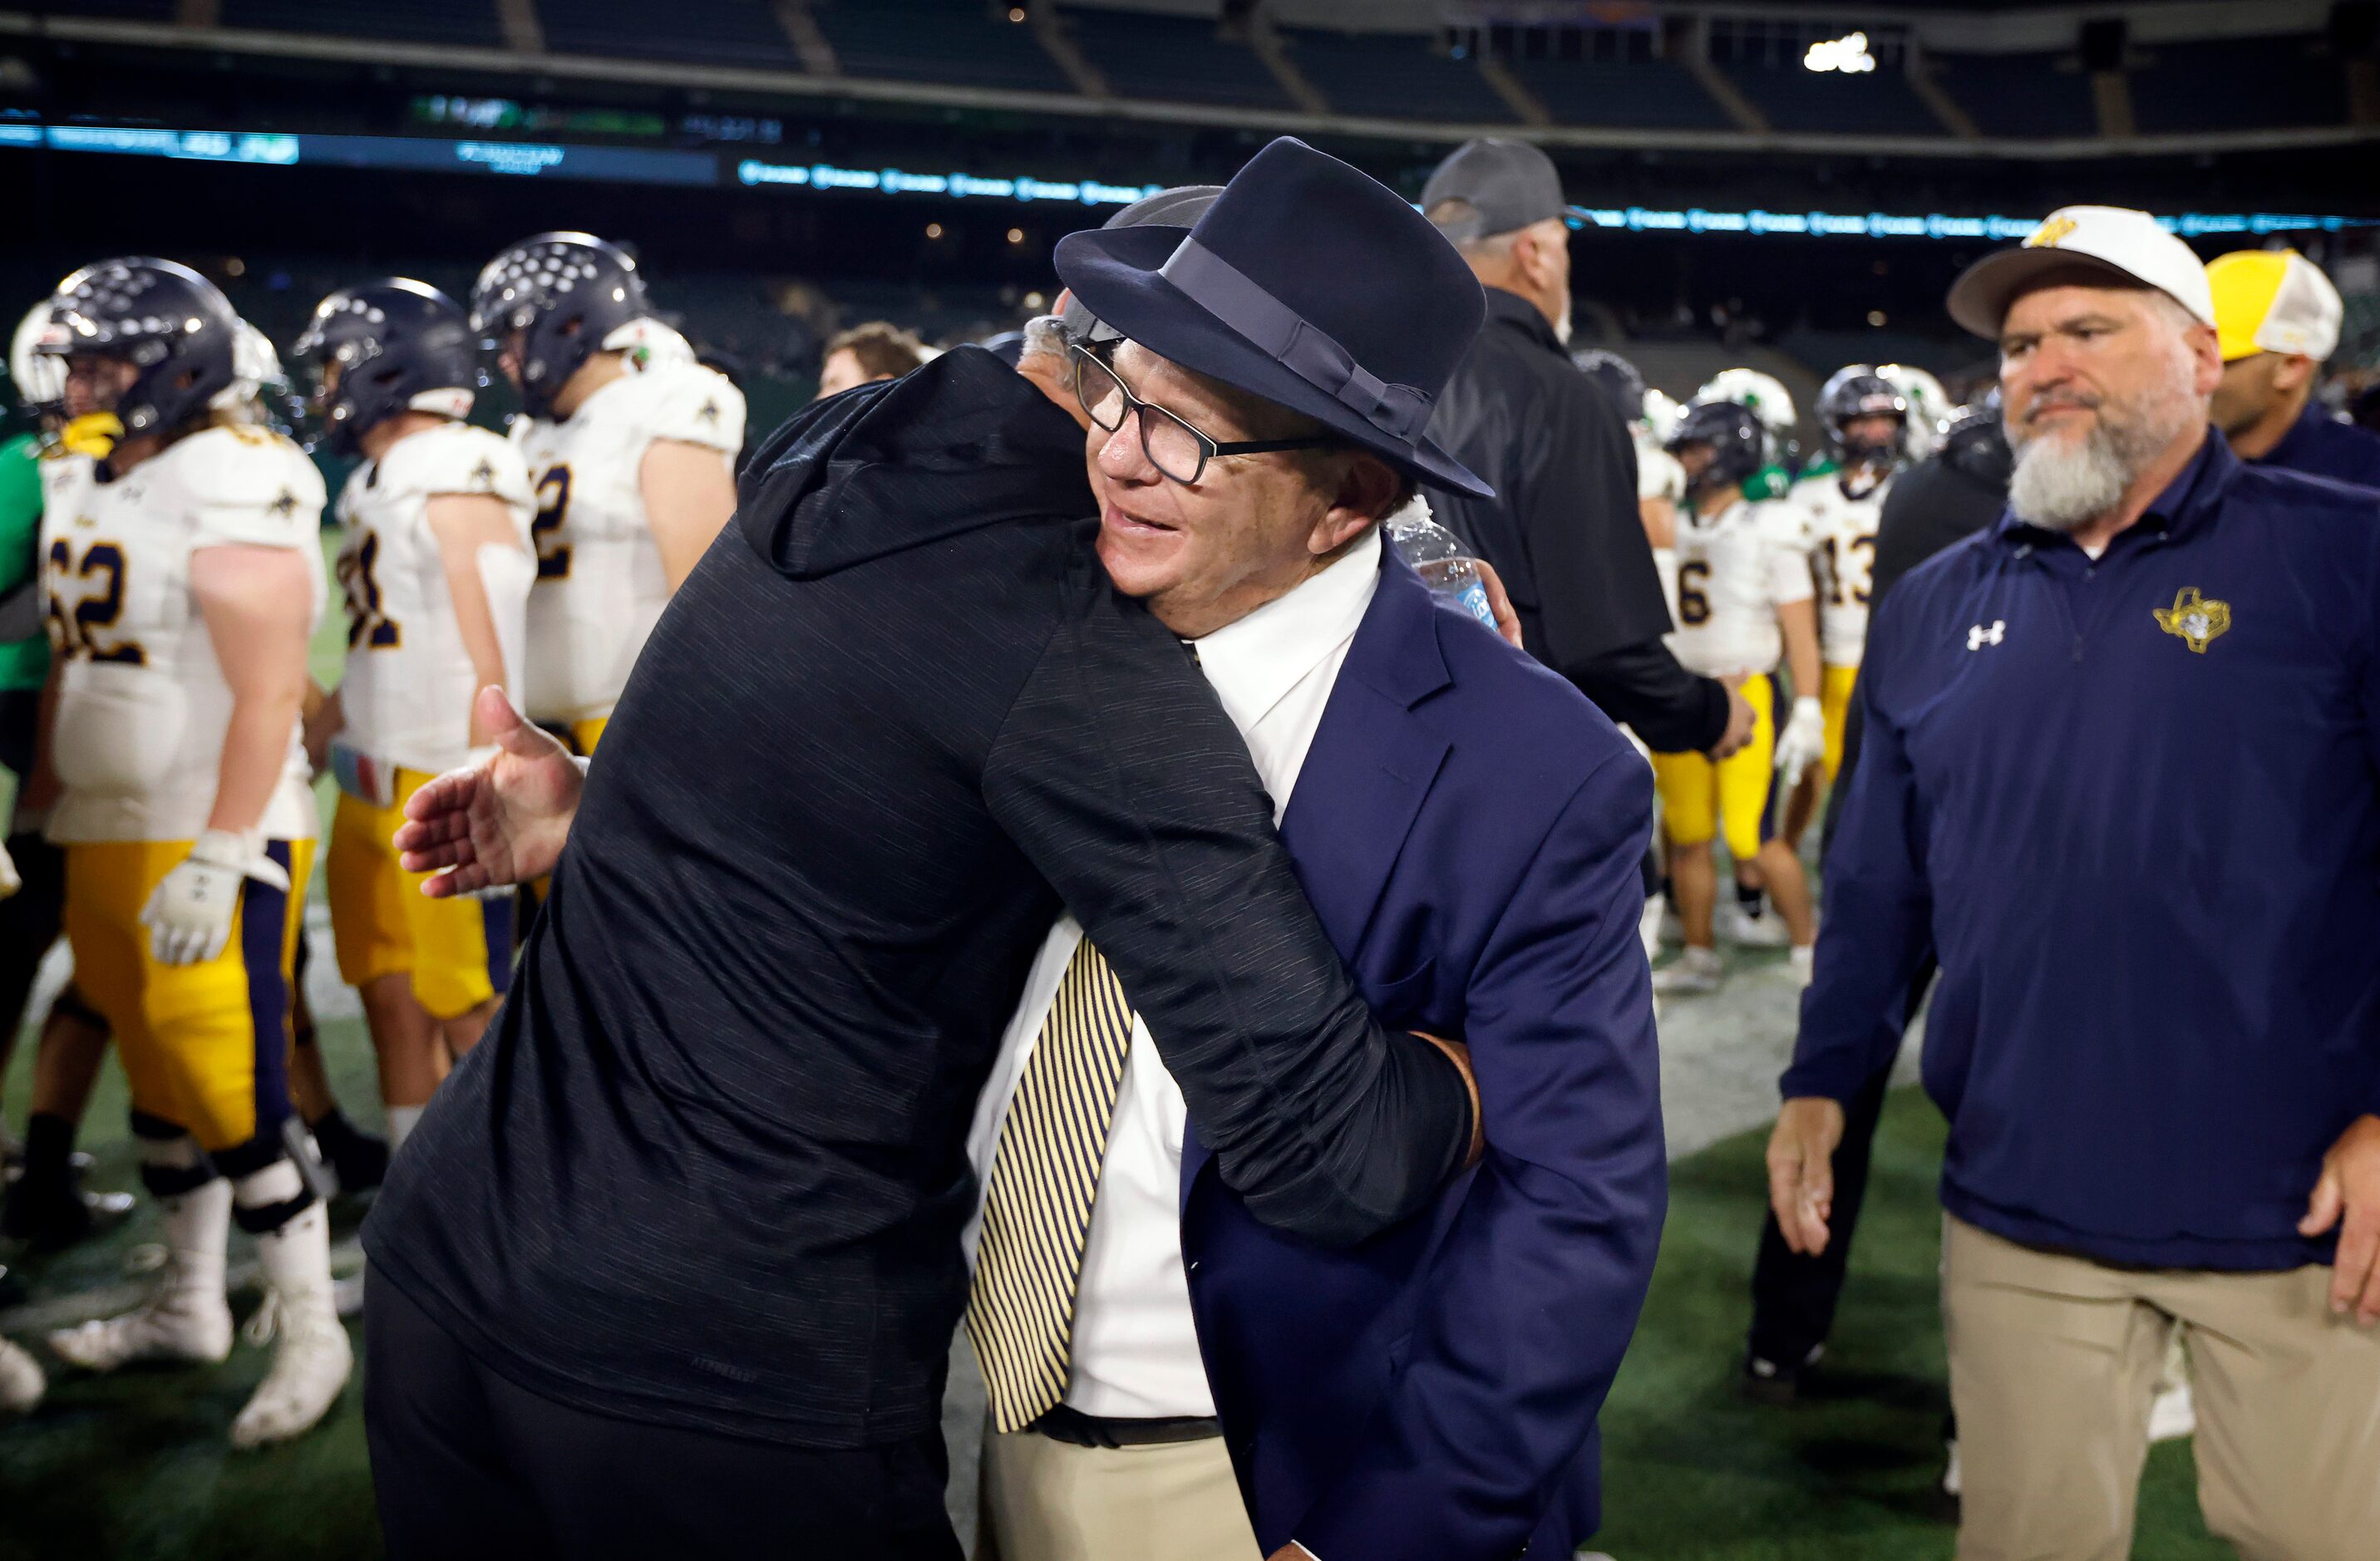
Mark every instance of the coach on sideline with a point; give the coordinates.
(1562, 527)
(2122, 775)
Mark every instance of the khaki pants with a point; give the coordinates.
(1052, 1501)
(2054, 1360)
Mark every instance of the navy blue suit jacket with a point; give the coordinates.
(1471, 831)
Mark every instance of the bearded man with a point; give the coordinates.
(2122, 778)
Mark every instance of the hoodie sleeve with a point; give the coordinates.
(1120, 776)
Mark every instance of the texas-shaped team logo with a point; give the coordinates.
(2194, 620)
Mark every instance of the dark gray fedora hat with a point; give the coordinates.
(1309, 284)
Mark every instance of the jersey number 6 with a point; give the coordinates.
(1694, 607)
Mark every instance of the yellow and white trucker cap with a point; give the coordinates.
(2117, 240)
(2273, 300)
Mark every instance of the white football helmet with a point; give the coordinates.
(41, 378)
(1929, 407)
(1764, 393)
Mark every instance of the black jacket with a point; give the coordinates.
(1951, 495)
(1563, 529)
(708, 1166)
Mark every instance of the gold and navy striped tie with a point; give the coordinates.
(1045, 1174)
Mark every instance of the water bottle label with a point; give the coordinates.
(1475, 598)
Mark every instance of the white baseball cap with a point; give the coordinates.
(2273, 300)
(2115, 239)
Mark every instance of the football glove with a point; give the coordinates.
(189, 913)
(1803, 741)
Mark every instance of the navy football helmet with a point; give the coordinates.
(1859, 392)
(169, 323)
(1976, 443)
(399, 345)
(1617, 376)
(1739, 444)
(565, 292)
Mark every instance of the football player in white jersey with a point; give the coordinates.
(1838, 501)
(632, 453)
(437, 569)
(1743, 605)
(184, 582)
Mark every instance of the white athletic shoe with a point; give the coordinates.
(178, 1322)
(21, 1383)
(311, 1358)
(311, 1362)
(1801, 964)
(1767, 931)
(2173, 1415)
(1693, 971)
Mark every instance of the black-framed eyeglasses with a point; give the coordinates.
(1172, 447)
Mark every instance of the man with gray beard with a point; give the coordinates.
(2122, 780)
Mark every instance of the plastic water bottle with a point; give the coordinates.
(1438, 556)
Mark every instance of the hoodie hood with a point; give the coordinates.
(961, 444)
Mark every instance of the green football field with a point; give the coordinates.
(136, 1465)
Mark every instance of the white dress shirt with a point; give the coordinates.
(1134, 1347)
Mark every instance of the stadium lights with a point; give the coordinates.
(1848, 54)
(654, 165)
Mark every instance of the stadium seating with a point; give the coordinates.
(1654, 94)
(2237, 84)
(936, 41)
(1179, 59)
(1393, 76)
(471, 22)
(2028, 94)
(1878, 103)
(708, 31)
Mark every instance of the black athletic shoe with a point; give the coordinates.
(358, 1159)
(47, 1215)
(1778, 1381)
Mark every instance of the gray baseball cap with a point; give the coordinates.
(1180, 207)
(1511, 184)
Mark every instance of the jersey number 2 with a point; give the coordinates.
(1694, 607)
(553, 504)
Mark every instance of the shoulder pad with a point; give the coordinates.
(1820, 466)
(457, 458)
(243, 468)
(1768, 482)
(690, 403)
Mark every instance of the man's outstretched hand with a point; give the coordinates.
(1802, 1170)
(499, 822)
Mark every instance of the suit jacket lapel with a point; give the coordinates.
(1370, 767)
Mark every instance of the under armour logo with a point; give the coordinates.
(1980, 637)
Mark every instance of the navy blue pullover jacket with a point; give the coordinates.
(2133, 806)
(2320, 445)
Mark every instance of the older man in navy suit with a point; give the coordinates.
(1169, 1380)
(1469, 829)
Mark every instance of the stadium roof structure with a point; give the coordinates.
(1945, 80)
